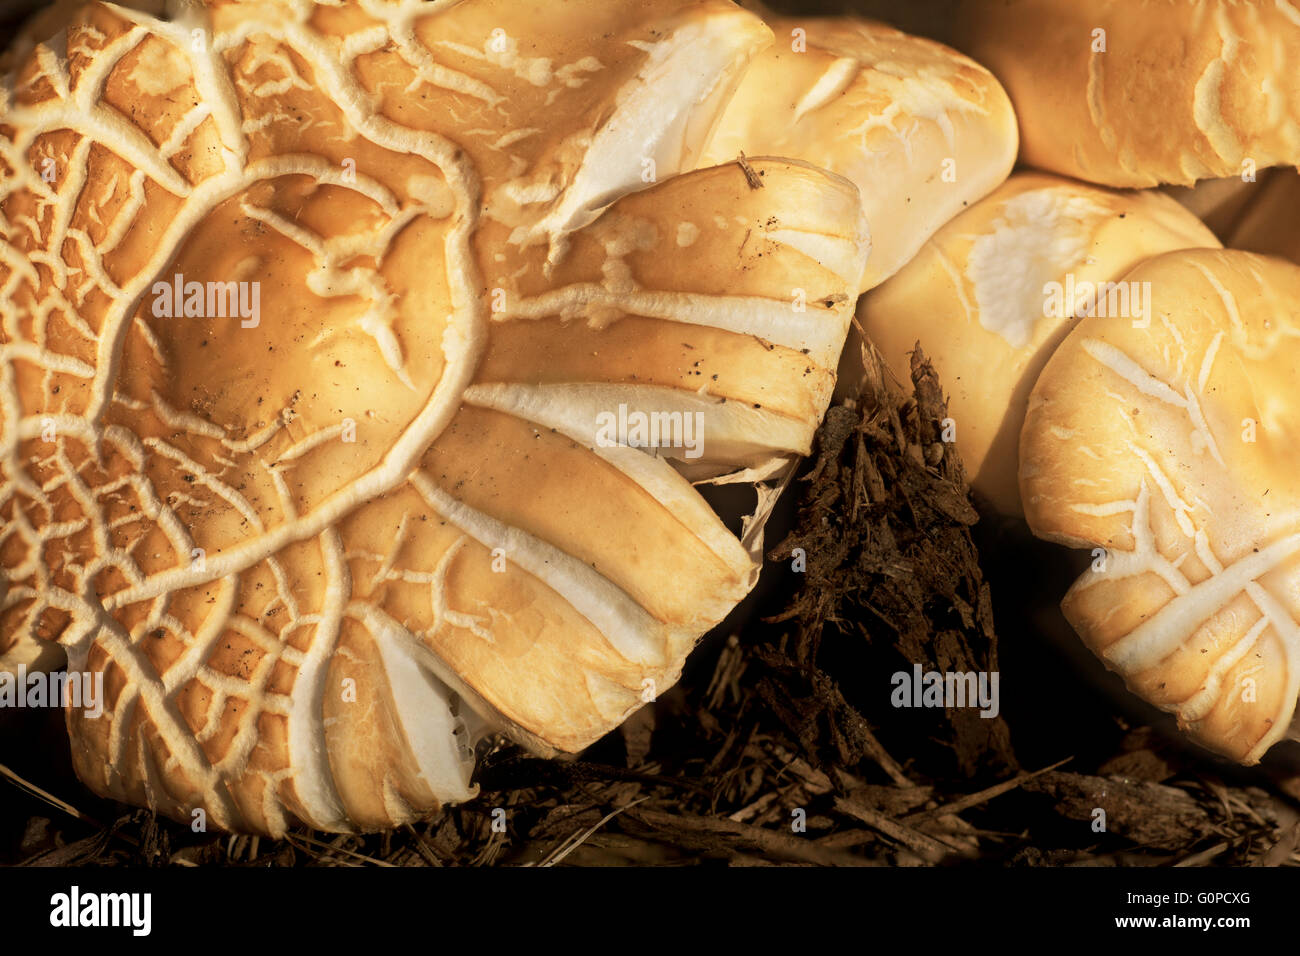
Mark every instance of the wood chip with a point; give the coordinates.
(754, 179)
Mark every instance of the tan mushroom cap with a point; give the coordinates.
(1173, 450)
(302, 546)
(22, 652)
(1135, 93)
(977, 298)
(920, 129)
(48, 20)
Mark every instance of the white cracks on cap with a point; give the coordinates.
(1097, 99)
(1207, 362)
(553, 406)
(443, 614)
(81, 111)
(838, 77)
(1199, 705)
(1159, 635)
(202, 560)
(435, 736)
(211, 77)
(330, 280)
(502, 51)
(627, 626)
(771, 320)
(125, 216)
(1148, 645)
(53, 66)
(844, 256)
(1225, 296)
(730, 432)
(1147, 384)
(658, 118)
(313, 781)
(1207, 100)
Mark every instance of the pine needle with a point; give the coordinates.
(30, 788)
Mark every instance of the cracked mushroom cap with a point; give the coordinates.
(980, 298)
(1170, 451)
(1135, 93)
(22, 651)
(312, 340)
(920, 129)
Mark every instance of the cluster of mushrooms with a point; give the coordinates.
(317, 550)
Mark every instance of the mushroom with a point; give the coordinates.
(1168, 449)
(1138, 94)
(22, 652)
(992, 294)
(337, 337)
(922, 130)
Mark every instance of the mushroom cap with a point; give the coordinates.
(1134, 93)
(312, 545)
(1171, 451)
(977, 298)
(922, 130)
